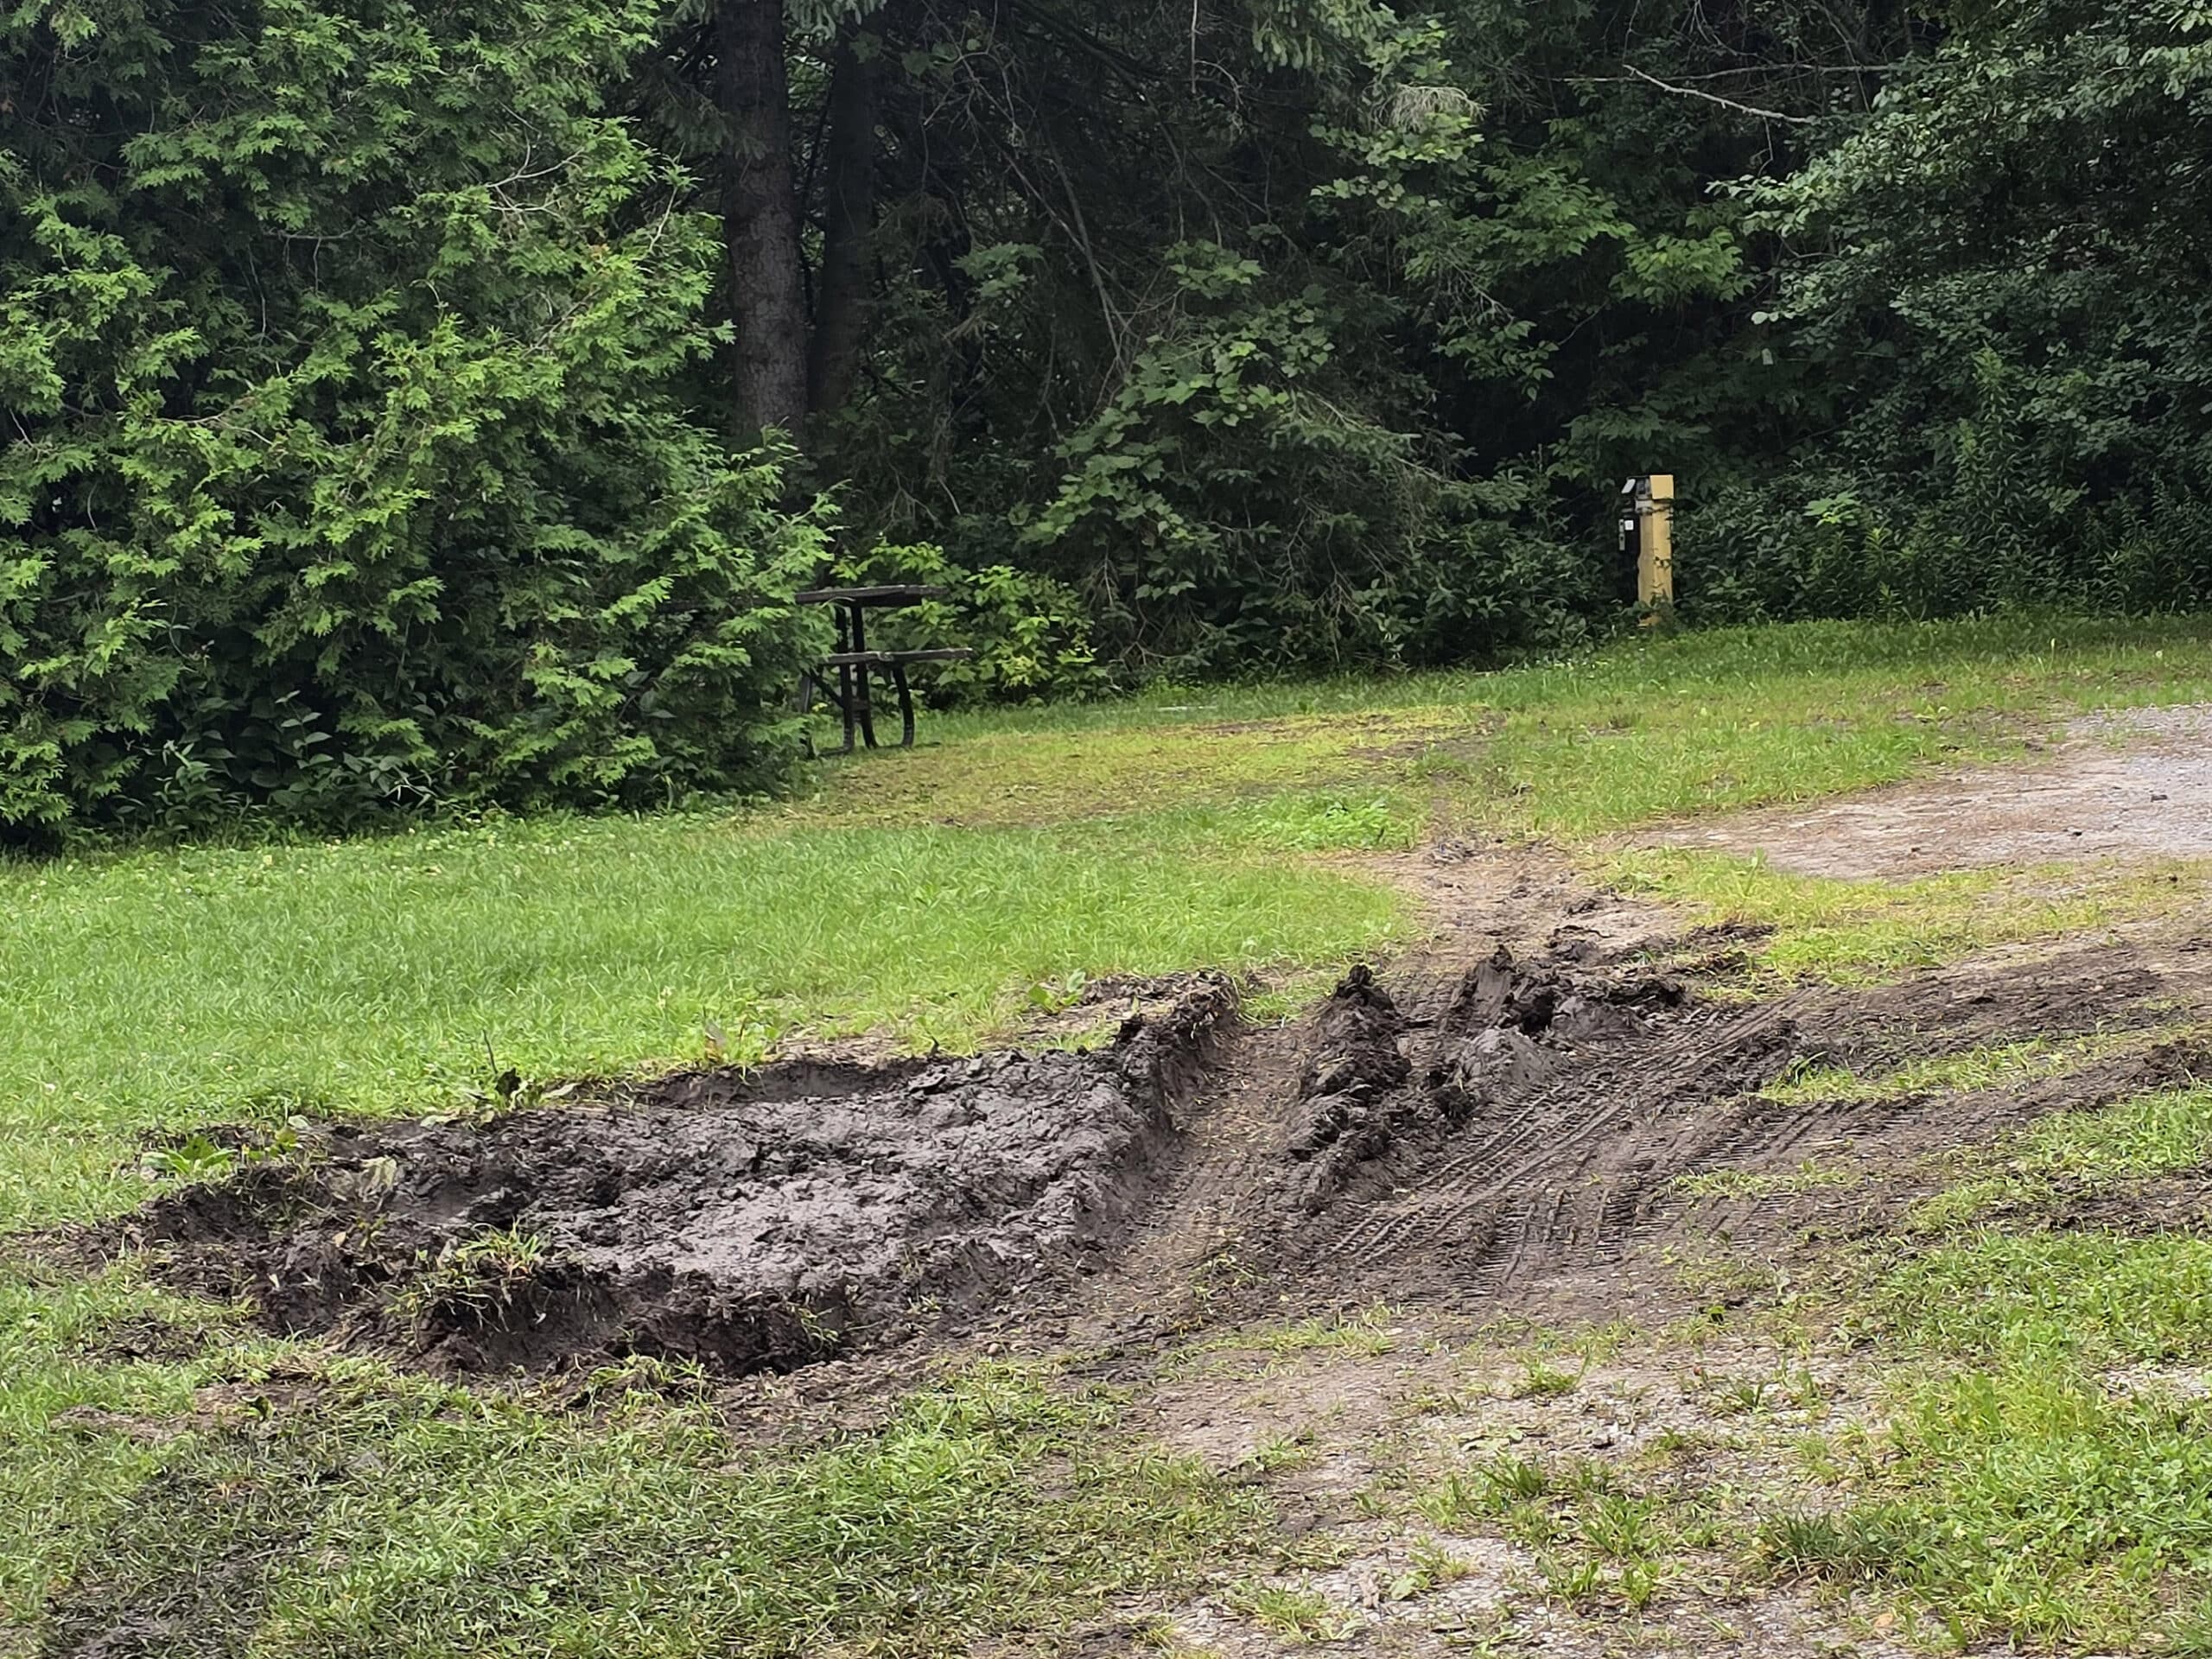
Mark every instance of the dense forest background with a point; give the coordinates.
(413, 403)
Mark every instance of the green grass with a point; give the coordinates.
(2109, 1149)
(172, 1473)
(1863, 932)
(2146, 1134)
(332, 1506)
(1649, 730)
(370, 975)
(2014, 1490)
(2038, 1478)
(1811, 1175)
(1990, 1066)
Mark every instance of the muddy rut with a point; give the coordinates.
(1515, 1134)
(1487, 1130)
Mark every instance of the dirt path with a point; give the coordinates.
(2130, 785)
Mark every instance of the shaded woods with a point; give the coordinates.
(385, 383)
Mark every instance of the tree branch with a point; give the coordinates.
(1715, 98)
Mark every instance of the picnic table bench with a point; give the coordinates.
(853, 658)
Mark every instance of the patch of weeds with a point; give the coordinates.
(1956, 1205)
(1578, 1580)
(1366, 1332)
(1815, 1455)
(2091, 1150)
(1621, 1527)
(195, 1158)
(1585, 1478)
(641, 1378)
(1280, 1452)
(1809, 1176)
(1674, 1445)
(1811, 1543)
(1863, 932)
(1489, 1489)
(1051, 996)
(1295, 1614)
(1991, 1067)
(1435, 1566)
(1587, 1584)
(476, 1280)
(1532, 1524)
(1731, 1395)
(1734, 1395)
(1540, 1380)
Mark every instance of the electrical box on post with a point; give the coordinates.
(1648, 536)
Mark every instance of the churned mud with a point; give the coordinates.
(1528, 1134)
(1524, 1132)
(750, 1223)
(2137, 784)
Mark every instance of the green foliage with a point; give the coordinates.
(1031, 634)
(1997, 281)
(347, 471)
(350, 1510)
(364, 359)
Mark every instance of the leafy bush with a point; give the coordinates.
(338, 339)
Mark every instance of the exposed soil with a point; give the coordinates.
(2134, 784)
(1514, 1136)
(747, 1222)
(1508, 1134)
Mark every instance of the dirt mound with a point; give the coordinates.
(750, 1223)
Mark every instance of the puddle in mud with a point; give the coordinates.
(750, 1224)
(2133, 785)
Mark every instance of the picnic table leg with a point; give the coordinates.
(845, 682)
(905, 704)
(860, 679)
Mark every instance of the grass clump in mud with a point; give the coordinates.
(2112, 1155)
(334, 1507)
(1989, 1066)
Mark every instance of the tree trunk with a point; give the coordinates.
(760, 218)
(840, 304)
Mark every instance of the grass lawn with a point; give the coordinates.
(146, 1441)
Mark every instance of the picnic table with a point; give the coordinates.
(853, 659)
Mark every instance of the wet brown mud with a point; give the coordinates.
(747, 1223)
(1515, 1136)
(1502, 1133)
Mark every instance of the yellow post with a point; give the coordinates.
(1655, 557)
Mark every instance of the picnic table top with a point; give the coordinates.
(905, 593)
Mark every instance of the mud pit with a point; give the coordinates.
(2137, 784)
(751, 1223)
(1508, 1134)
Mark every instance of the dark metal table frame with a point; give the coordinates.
(853, 659)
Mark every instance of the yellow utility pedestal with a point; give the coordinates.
(1655, 563)
(1649, 526)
